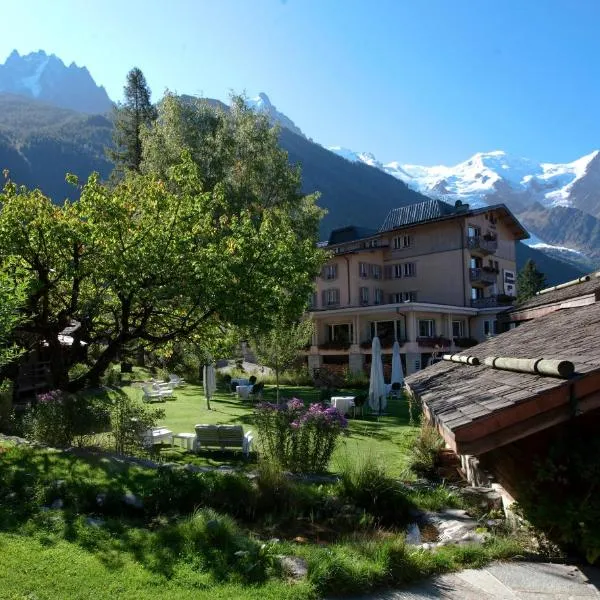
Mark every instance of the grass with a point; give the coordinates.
(196, 536)
(387, 439)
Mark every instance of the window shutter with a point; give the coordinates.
(337, 295)
(335, 271)
(323, 298)
(387, 272)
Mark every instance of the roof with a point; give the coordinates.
(350, 234)
(581, 288)
(478, 408)
(417, 213)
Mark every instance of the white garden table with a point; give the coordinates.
(343, 403)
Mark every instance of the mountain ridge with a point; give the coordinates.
(45, 77)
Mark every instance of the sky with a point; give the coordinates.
(418, 81)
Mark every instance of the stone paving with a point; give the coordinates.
(505, 581)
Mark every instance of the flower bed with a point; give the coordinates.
(302, 439)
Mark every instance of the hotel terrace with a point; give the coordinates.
(434, 277)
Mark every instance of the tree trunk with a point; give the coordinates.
(277, 382)
(97, 370)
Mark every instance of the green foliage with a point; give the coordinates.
(60, 419)
(130, 119)
(103, 261)
(365, 483)
(529, 281)
(425, 451)
(300, 439)
(129, 419)
(561, 499)
(280, 346)
(356, 380)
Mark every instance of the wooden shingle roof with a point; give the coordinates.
(471, 403)
(583, 288)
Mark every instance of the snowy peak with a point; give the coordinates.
(262, 104)
(45, 77)
(496, 176)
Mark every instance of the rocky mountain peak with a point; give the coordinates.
(45, 77)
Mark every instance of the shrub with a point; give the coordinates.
(77, 370)
(6, 412)
(129, 419)
(424, 458)
(367, 485)
(111, 377)
(301, 439)
(355, 380)
(560, 497)
(58, 418)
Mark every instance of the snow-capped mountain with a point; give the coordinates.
(488, 177)
(262, 104)
(45, 77)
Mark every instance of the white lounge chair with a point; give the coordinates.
(175, 380)
(157, 435)
(223, 437)
(154, 393)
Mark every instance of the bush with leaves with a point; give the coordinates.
(424, 458)
(301, 439)
(58, 418)
(129, 419)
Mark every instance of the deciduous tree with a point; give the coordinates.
(279, 347)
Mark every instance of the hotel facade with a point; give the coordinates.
(434, 277)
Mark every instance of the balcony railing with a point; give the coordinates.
(492, 301)
(481, 244)
(432, 342)
(483, 275)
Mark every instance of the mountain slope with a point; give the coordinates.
(45, 77)
(39, 144)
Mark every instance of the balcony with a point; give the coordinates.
(485, 276)
(492, 301)
(386, 342)
(482, 244)
(432, 342)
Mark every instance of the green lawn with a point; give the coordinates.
(387, 439)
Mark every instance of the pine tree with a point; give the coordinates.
(529, 281)
(131, 117)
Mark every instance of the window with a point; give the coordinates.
(363, 270)
(403, 241)
(330, 272)
(473, 231)
(404, 297)
(426, 328)
(475, 262)
(378, 297)
(341, 332)
(312, 300)
(397, 271)
(490, 328)
(385, 330)
(417, 365)
(331, 297)
(364, 295)
(458, 329)
(409, 270)
(372, 244)
(476, 293)
(376, 271)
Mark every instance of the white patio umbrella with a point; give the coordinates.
(377, 393)
(209, 382)
(397, 374)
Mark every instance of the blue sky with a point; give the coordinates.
(419, 81)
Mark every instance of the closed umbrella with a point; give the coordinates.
(209, 383)
(397, 374)
(377, 392)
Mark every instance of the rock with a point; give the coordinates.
(100, 499)
(484, 497)
(294, 566)
(241, 553)
(94, 522)
(274, 541)
(57, 504)
(132, 500)
(413, 534)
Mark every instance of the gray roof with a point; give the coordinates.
(418, 213)
(350, 234)
(460, 396)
